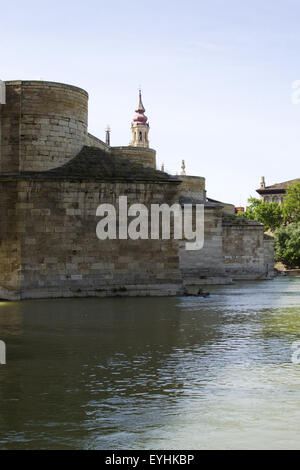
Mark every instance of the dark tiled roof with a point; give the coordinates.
(214, 200)
(94, 163)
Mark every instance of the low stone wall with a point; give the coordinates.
(207, 262)
(269, 256)
(92, 141)
(192, 187)
(246, 255)
(144, 156)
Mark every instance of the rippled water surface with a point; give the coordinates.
(156, 373)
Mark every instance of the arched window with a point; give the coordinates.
(140, 137)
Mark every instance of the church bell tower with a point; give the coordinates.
(140, 126)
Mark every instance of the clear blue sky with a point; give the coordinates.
(216, 78)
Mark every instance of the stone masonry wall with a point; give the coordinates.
(61, 254)
(43, 125)
(10, 237)
(207, 262)
(10, 124)
(193, 187)
(145, 156)
(269, 255)
(244, 251)
(92, 141)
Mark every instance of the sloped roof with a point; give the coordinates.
(278, 186)
(94, 163)
(192, 200)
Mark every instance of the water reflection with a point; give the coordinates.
(153, 373)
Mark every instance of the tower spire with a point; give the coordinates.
(140, 126)
(141, 108)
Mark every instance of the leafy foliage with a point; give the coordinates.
(291, 206)
(268, 213)
(287, 245)
(283, 220)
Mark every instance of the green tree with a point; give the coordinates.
(287, 245)
(267, 213)
(291, 205)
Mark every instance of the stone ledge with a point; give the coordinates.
(45, 84)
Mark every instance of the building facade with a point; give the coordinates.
(275, 192)
(54, 175)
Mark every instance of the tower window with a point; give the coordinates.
(140, 137)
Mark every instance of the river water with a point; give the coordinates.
(153, 373)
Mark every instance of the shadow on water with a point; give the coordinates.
(135, 373)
